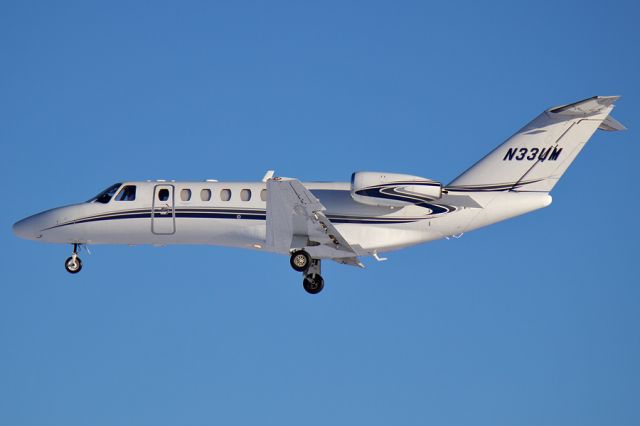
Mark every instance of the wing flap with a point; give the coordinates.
(295, 220)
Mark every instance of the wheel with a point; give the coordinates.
(300, 260)
(313, 283)
(73, 266)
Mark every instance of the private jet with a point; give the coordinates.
(374, 213)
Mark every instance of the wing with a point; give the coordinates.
(295, 220)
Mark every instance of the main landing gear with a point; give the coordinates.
(310, 268)
(313, 283)
(73, 264)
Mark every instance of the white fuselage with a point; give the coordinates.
(233, 214)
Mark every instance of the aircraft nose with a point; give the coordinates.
(27, 229)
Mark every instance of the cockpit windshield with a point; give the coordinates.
(105, 196)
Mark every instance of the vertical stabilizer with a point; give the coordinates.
(537, 156)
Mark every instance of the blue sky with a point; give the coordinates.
(532, 321)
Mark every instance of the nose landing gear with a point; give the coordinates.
(312, 281)
(73, 264)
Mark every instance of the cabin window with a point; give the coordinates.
(163, 194)
(205, 195)
(128, 193)
(185, 194)
(225, 194)
(245, 194)
(263, 195)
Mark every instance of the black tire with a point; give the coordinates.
(71, 266)
(300, 260)
(313, 283)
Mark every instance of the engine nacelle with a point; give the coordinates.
(393, 189)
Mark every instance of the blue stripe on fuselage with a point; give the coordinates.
(238, 214)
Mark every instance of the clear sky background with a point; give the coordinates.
(534, 321)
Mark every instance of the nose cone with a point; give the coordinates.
(27, 228)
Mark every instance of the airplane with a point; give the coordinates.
(375, 213)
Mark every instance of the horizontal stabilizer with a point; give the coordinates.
(610, 124)
(588, 106)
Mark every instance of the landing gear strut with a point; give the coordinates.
(312, 281)
(73, 264)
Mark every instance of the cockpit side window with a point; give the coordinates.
(105, 196)
(128, 193)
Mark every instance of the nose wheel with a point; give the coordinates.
(73, 264)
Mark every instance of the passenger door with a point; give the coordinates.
(163, 212)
